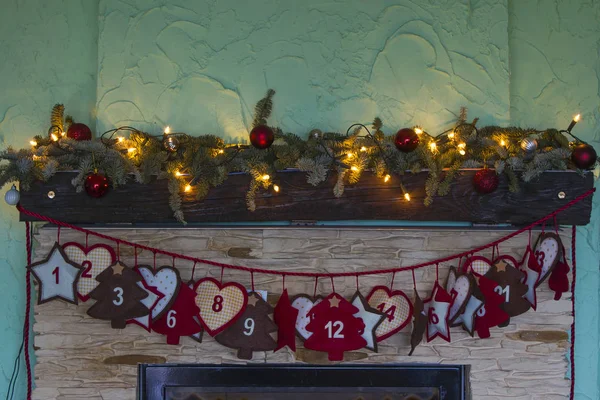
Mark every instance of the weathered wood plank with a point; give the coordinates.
(371, 199)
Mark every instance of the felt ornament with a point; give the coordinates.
(252, 331)
(150, 301)
(285, 316)
(467, 318)
(477, 265)
(509, 284)
(221, 304)
(118, 296)
(197, 337)
(57, 276)
(371, 317)
(181, 318)
(437, 308)
(334, 328)
(419, 324)
(304, 303)
(548, 251)
(559, 278)
(395, 305)
(491, 313)
(166, 280)
(94, 259)
(531, 276)
(459, 286)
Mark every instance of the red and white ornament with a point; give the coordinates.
(220, 303)
(180, 318)
(437, 308)
(304, 303)
(397, 307)
(94, 260)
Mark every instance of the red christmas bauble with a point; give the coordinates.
(486, 181)
(406, 140)
(79, 131)
(96, 185)
(262, 137)
(584, 156)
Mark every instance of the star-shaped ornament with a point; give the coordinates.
(285, 317)
(437, 308)
(57, 276)
(118, 268)
(334, 301)
(500, 266)
(467, 318)
(252, 299)
(371, 318)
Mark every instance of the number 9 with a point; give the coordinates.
(249, 325)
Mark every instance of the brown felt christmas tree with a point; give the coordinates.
(118, 296)
(509, 284)
(252, 331)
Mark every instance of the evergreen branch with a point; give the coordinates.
(263, 109)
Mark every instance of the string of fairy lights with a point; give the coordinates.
(172, 141)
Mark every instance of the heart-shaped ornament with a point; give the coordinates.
(395, 305)
(460, 287)
(478, 265)
(548, 250)
(304, 303)
(220, 303)
(166, 281)
(94, 260)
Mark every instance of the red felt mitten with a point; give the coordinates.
(334, 328)
(559, 279)
(491, 313)
(179, 319)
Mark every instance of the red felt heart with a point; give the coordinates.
(94, 260)
(220, 303)
(395, 305)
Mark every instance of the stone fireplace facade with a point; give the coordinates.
(79, 357)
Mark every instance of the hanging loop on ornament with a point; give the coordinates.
(544, 227)
(154, 252)
(118, 250)
(555, 225)
(316, 284)
(173, 262)
(222, 272)
(529, 232)
(332, 284)
(252, 279)
(87, 236)
(493, 253)
(437, 272)
(392, 282)
(135, 256)
(193, 271)
(414, 279)
(357, 282)
(58, 235)
(283, 280)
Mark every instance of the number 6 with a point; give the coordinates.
(171, 320)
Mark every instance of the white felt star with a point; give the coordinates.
(153, 297)
(57, 276)
(371, 318)
(467, 318)
(437, 308)
(531, 279)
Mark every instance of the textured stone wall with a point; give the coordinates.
(79, 357)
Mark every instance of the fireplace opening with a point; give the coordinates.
(296, 382)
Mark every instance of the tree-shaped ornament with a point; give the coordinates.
(559, 278)
(334, 328)
(285, 317)
(491, 313)
(181, 319)
(118, 296)
(509, 284)
(252, 331)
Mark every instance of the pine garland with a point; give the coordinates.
(204, 162)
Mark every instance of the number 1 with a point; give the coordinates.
(55, 273)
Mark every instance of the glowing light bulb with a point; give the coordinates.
(167, 130)
(432, 147)
(120, 139)
(407, 196)
(349, 155)
(221, 151)
(131, 150)
(63, 133)
(387, 178)
(363, 149)
(451, 135)
(177, 173)
(577, 118)
(418, 131)
(575, 121)
(502, 142)
(265, 177)
(54, 137)
(276, 188)
(462, 152)
(33, 143)
(354, 168)
(462, 145)
(187, 188)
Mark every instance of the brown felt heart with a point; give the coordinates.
(395, 305)
(220, 303)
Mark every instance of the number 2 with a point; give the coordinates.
(119, 300)
(505, 291)
(87, 272)
(338, 334)
(249, 325)
(391, 312)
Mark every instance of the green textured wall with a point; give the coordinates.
(201, 65)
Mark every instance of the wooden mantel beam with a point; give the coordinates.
(371, 199)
